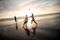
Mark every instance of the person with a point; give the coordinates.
(16, 22)
(33, 20)
(15, 18)
(25, 27)
(25, 21)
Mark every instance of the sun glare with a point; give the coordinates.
(29, 23)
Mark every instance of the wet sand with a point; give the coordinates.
(48, 29)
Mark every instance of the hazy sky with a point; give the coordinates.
(19, 7)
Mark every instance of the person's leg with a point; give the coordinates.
(34, 29)
(31, 21)
(23, 25)
(35, 22)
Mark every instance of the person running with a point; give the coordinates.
(16, 22)
(25, 22)
(33, 20)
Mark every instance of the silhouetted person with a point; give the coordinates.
(25, 21)
(33, 20)
(16, 22)
(25, 27)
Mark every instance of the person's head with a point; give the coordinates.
(26, 15)
(32, 14)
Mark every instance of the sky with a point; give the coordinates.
(9, 8)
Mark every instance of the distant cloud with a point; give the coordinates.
(11, 5)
